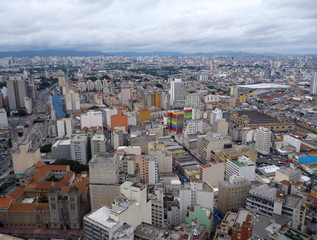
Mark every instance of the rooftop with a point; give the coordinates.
(102, 216)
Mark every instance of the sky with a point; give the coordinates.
(259, 26)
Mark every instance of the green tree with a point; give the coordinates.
(46, 148)
(75, 166)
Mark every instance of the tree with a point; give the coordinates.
(75, 166)
(46, 148)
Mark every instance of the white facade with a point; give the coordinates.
(211, 98)
(78, 148)
(98, 85)
(3, 118)
(192, 100)
(60, 128)
(153, 171)
(28, 104)
(313, 84)
(193, 126)
(98, 144)
(293, 142)
(90, 85)
(216, 115)
(109, 113)
(192, 194)
(243, 166)
(177, 93)
(91, 119)
(72, 101)
(263, 140)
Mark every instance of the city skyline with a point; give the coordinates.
(285, 27)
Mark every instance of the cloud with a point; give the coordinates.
(147, 25)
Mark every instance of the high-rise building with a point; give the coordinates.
(72, 101)
(17, 91)
(98, 144)
(3, 118)
(313, 83)
(233, 193)
(177, 93)
(263, 140)
(175, 120)
(28, 104)
(156, 100)
(79, 148)
(193, 100)
(188, 114)
(125, 94)
(119, 221)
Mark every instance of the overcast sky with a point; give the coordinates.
(281, 26)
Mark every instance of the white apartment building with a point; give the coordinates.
(91, 119)
(242, 166)
(193, 126)
(3, 118)
(177, 93)
(98, 144)
(119, 221)
(72, 101)
(263, 140)
(78, 148)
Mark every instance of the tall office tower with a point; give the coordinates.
(263, 140)
(79, 148)
(125, 94)
(17, 91)
(57, 105)
(313, 83)
(233, 97)
(72, 101)
(177, 93)
(233, 193)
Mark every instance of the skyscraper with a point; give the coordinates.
(263, 140)
(177, 93)
(17, 91)
(313, 83)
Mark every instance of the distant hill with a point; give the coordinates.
(65, 53)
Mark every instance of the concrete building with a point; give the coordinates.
(91, 120)
(242, 166)
(202, 216)
(193, 126)
(194, 193)
(127, 212)
(263, 140)
(125, 94)
(238, 151)
(119, 138)
(104, 181)
(28, 105)
(60, 128)
(98, 144)
(293, 141)
(119, 121)
(313, 84)
(61, 149)
(192, 100)
(3, 118)
(220, 126)
(24, 157)
(17, 91)
(57, 103)
(267, 200)
(79, 148)
(237, 226)
(177, 92)
(72, 101)
(232, 194)
(292, 175)
(163, 159)
(212, 173)
(211, 144)
(148, 169)
(142, 138)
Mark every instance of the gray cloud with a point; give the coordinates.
(146, 25)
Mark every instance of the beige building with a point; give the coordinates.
(119, 221)
(233, 193)
(212, 173)
(263, 140)
(25, 157)
(237, 151)
(221, 126)
(292, 175)
(164, 160)
(210, 145)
